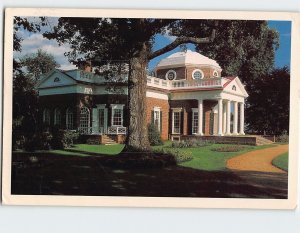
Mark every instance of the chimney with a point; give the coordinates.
(85, 66)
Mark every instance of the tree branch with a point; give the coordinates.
(183, 40)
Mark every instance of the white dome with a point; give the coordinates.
(185, 58)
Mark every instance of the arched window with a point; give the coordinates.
(234, 88)
(84, 120)
(197, 74)
(57, 117)
(171, 75)
(69, 119)
(46, 116)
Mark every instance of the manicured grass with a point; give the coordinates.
(206, 159)
(101, 149)
(282, 161)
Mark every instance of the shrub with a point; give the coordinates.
(234, 148)
(283, 138)
(189, 144)
(40, 141)
(154, 135)
(179, 155)
(63, 138)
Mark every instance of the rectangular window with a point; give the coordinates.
(176, 122)
(195, 122)
(157, 119)
(117, 117)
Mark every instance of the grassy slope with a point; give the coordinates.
(282, 161)
(206, 159)
(203, 157)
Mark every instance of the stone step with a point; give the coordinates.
(262, 141)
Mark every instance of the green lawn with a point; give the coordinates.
(206, 159)
(101, 149)
(282, 161)
(203, 157)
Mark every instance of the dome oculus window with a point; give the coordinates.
(171, 75)
(197, 74)
(215, 74)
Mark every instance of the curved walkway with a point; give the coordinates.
(258, 160)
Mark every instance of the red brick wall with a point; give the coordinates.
(207, 107)
(185, 72)
(186, 106)
(164, 106)
(180, 72)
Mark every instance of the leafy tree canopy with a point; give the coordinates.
(39, 63)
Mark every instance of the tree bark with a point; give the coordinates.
(137, 138)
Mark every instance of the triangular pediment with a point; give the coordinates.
(236, 87)
(55, 78)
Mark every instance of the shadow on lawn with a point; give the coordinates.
(49, 174)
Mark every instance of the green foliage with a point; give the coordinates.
(63, 138)
(39, 141)
(154, 135)
(282, 162)
(179, 155)
(189, 143)
(38, 63)
(231, 148)
(283, 138)
(269, 103)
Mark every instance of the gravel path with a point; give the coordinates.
(259, 160)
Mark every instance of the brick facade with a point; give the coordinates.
(186, 72)
(164, 106)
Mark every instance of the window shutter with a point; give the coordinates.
(181, 121)
(160, 124)
(152, 117)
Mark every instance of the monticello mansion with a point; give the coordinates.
(186, 96)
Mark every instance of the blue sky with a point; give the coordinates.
(282, 56)
(33, 41)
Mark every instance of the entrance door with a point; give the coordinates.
(102, 120)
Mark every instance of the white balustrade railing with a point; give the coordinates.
(178, 84)
(116, 130)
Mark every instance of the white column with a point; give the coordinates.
(200, 117)
(228, 117)
(235, 118)
(224, 118)
(220, 114)
(242, 114)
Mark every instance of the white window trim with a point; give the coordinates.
(196, 70)
(157, 109)
(68, 111)
(193, 118)
(57, 110)
(113, 108)
(173, 111)
(89, 117)
(46, 112)
(171, 71)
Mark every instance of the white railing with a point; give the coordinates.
(91, 130)
(116, 130)
(85, 130)
(212, 82)
(179, 84)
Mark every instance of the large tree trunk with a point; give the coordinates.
(137, 139)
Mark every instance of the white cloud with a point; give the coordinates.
(36, 41)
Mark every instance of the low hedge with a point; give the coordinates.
(234, 148)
